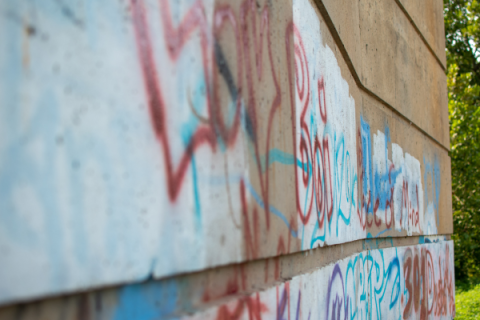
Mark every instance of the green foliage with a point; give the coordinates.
(462, 28)
(467, 304)
(462, 31)
(465, 154)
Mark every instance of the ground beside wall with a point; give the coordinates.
(224, 159)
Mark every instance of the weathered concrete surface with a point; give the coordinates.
(379, 48)
(428, 17)
(171, 137)
(345, 17)
(391, 59)
(420, 83)
(398, 68)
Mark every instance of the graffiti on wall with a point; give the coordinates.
(184, 135)
(325, 148)
(392, 190)
(393, 195)
(397, 283)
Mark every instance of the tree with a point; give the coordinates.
(462, 30)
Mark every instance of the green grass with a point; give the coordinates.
(467, 303)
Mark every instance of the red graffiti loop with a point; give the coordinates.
(389, 205)
(369, 223)
(361, 212)
(378, 222)
(322, 104)
(301, 69)
(319, 186)
(327, 174)
(305, 161)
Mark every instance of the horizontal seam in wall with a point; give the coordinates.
(336, 37)
(412, 22)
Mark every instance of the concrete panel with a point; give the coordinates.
(346, 20)
(428, 17)
(398, 67)
(421, 89)
(421, 84)
(379, 48)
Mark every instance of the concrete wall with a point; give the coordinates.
(224, 159)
